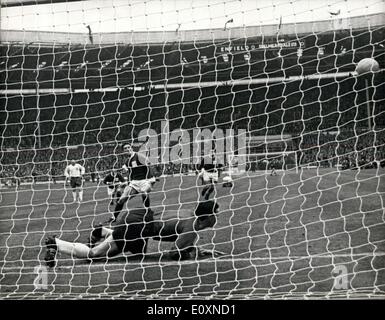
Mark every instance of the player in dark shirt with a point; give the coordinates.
(209, 172)
(132, 230)
(140, 179)
(114, 181)
(273, 166)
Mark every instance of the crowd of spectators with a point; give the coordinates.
(345, 149)
(34, 165)
(87, 127)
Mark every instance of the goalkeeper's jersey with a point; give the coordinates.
(131, 229)
(135, 226)
(177, 228)
(165, 226)
(135, 215)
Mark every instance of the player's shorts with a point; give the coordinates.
(141, 186)
(210, 176)
(110, 191)
(132, 230)
(76, 182)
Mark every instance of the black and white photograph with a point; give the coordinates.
(191, 150)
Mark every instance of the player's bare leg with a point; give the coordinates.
(119, 206)
(113, 197)
(74, 194)
(207, 190)
(116, 195)
(80, 195)
(127, 194)
(111, 193)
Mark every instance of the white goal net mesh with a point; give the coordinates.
(296, 136)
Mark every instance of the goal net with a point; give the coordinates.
(267, 91)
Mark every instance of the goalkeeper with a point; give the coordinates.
(135, 227)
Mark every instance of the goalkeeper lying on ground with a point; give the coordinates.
(133, 229)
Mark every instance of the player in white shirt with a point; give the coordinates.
(74, 172)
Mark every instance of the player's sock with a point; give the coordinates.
(74, 196)
(80, 195)
(79, 250)
(118, 208)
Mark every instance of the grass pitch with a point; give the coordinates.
(314, 234)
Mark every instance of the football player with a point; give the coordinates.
(75, 172)
(209, 172)
(133, 229)
(140, 179)
(114, 181)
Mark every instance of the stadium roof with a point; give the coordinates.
(19, 3)
(171, 15)
(41, 37)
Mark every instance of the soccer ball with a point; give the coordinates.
(367, 65)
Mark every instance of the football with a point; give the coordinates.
(367, 65)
